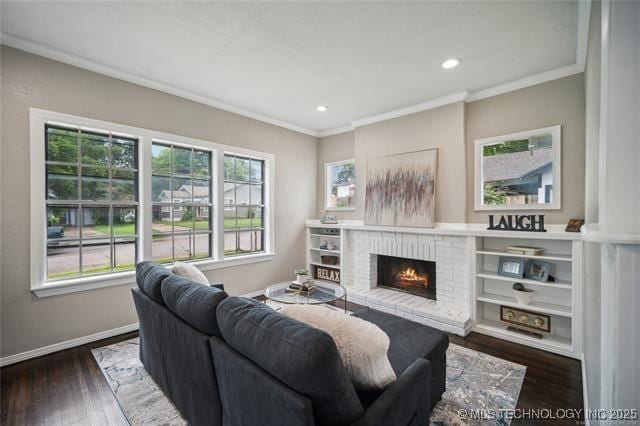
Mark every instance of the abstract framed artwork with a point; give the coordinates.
(401, 189)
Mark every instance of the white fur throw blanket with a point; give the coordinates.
(362, 345)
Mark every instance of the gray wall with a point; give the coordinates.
(334, 148)
(555, 102)
(454, 128)
(29, 322)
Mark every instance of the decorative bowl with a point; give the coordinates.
(523, 296)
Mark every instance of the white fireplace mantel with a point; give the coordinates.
(554, 231)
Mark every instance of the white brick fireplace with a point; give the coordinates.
(451, 253)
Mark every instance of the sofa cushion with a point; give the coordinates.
(302, 357)
(193, 302)
(149, 278)
(409, 340)
(362, 345)
(190, 272)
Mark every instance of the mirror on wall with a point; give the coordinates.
(519, 171)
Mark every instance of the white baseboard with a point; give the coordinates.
(45, 350)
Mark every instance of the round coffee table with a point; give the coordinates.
(323, 293)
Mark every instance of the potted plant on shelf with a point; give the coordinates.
(302, 275)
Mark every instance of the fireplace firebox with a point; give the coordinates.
(413, 276)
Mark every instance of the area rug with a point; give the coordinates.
(475, 381)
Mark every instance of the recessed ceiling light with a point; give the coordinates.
(322, 108)
(450, 63)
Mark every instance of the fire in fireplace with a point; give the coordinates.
(410, 275)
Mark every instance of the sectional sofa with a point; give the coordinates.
(236, 361)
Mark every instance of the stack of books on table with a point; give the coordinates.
(531, 251)
(305, 288)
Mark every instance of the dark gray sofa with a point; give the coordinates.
(235, 361)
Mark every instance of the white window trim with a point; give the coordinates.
(38, 249)
(326, 185)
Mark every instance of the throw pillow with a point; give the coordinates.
(190, 272)
(362, 345)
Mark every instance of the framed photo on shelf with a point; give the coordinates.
(538, 270)
(511, 267)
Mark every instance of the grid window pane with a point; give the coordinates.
(124, 251)
(201, 190)
(243, 211)
(95, 184)
(242, 169)
(81, 235)
(62, 183)
(202, 163)
(62, 222)
(96, 256)
(256, 171)
(230, 247)
(244, 241)
(63, 259)
(182, 161)
(62, 145)
(162, 248)
(95, 222)
(161, 159)
(125, 221)
(123, 153)
(202, 243)
(183, 244)
(181, 196)
(95, 149)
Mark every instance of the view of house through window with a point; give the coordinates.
(243, 205)
(91, 202)
(181, 200)
(340, 185)
(518, 171)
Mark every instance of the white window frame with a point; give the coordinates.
(556, 135)
(38, 250)
(327, 183)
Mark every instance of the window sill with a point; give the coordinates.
(75, 285)
(340, 209)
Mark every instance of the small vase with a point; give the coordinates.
(301, 279)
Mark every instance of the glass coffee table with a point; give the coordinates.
(323, 293)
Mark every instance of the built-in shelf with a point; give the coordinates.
(325, 236)
(325, 250)
(542, 307)
(549, 341)
(565, 285)
(556, 257)
(326, 266)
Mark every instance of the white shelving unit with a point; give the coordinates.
(316, 236)
(559, 299)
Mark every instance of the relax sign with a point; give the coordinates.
(327, 274)
(514, 222)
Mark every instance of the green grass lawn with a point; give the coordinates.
(201, 225)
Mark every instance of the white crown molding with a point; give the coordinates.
(525, 82)
(584, 14)
(57, 55)
(435, 103)
(336, 131)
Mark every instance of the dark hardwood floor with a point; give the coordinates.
(67, 387)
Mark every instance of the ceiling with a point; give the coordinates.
(278, 61)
